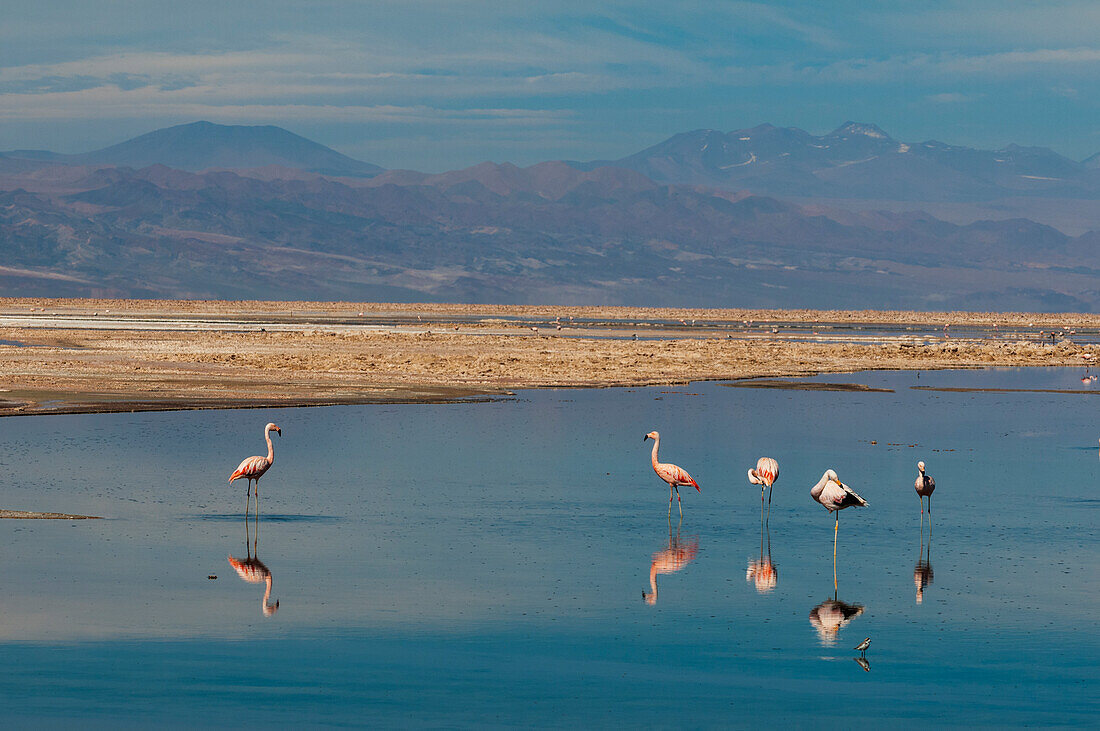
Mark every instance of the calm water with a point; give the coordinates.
(485, 563)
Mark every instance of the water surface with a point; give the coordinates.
(491, 563)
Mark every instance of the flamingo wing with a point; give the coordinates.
(837, 496)
(767, 470)
(674, 475)
(252, 468)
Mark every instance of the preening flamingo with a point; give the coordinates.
(669, 561)
(835, 496)
(924, 486)
(670, 473)
(766, 473)
(254, 468)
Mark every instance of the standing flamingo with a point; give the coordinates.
(835, 496)
(766, 473)
(254, 468)
(925, 486)
(670, 473)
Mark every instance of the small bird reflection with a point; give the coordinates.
(680, 553)
(831, 616)
(762, 572)
(863, 663)
(251, 568)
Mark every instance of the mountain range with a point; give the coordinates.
(257, 212)
(859, 160)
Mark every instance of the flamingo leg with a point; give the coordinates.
(670, 503)
(769, 504)
(835, 529)
(679, 502)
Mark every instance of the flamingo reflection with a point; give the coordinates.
(670, 560)
(252, 569)
(762, 571)
(831, 616)
(922, 572)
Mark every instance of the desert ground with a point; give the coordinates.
(72, 356)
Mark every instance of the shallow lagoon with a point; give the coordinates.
(485, 563)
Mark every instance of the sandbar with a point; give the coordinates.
(89, 356)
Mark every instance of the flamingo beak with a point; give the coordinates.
(278, 431)
(645, 437)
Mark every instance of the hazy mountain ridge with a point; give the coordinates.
(204, 145)
(859, 160)
(499, 233)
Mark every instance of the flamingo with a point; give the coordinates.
(834, 496)
(766, 473)
(254, 468)
(924, 486)
(669, 561)
(670, 473)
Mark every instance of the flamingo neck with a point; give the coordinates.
(270, 447)
(268, 609)
(653, 580)
(656, 444)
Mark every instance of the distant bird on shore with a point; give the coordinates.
(834, 496)
(924, 486)
(765, 473)
(862, 646)
(670, 473)
(254, 468)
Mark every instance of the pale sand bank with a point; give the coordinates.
(157, 355)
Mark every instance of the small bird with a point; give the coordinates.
(862, 646)
(834, 496)
(671, 474)
(924, 486)
(254, 468)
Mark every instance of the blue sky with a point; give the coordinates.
(440, 84)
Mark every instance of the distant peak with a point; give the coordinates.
(866, 129)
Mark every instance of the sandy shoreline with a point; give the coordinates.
(83, 356)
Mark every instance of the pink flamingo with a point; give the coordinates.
(766, 473)
(670, 473)
(254, 468)
(924, 486)
(834, 496)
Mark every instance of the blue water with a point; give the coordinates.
(484, 564)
